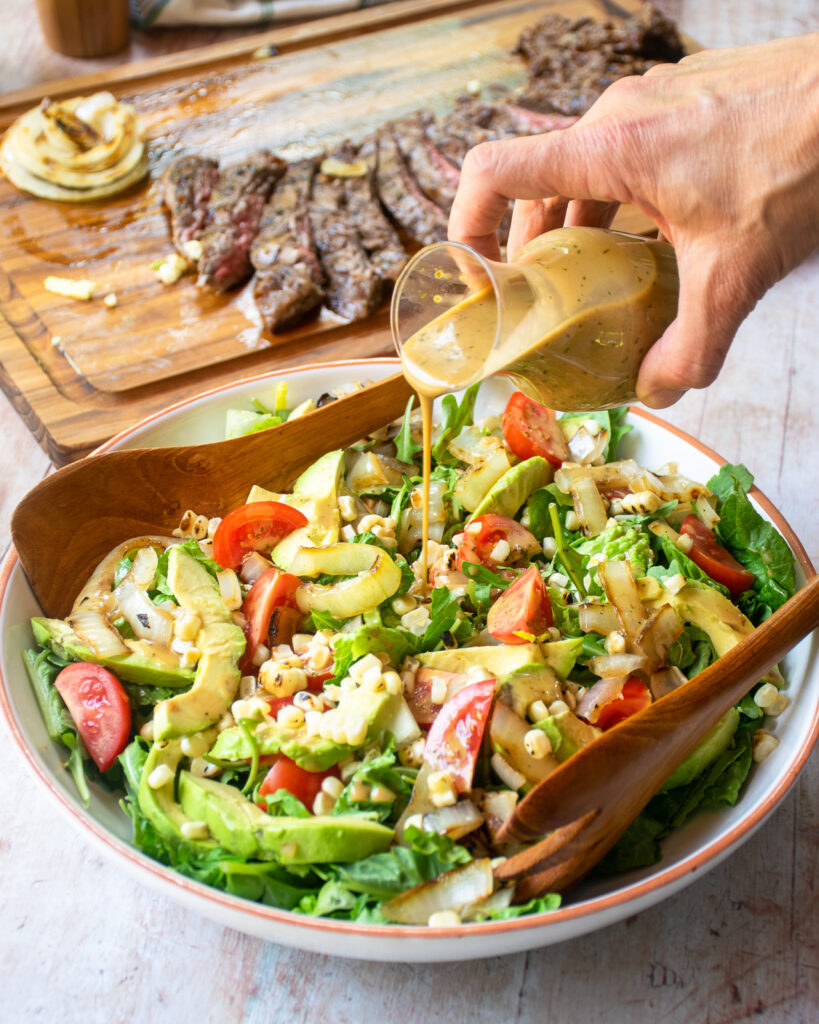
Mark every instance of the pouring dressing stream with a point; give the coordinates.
(569, 321)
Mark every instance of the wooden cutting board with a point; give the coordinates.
(78, 372)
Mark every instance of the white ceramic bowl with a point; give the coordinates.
(703, 843)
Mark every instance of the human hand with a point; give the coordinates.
(720, 150)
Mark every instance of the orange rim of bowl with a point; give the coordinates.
(712, 852)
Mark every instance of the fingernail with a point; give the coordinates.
(661, 399)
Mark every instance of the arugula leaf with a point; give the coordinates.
(323, 620)
(284, 804)
(401, 499)
(349, 647)
(455, 416)
(570, 560)
(540, 522)
(443, 614)
(539, 905)
(405, 447)
(752, 540)
(384, 875)
(692, 651)
(381, 770)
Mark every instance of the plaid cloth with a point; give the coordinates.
(158, 13)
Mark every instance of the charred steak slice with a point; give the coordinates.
(377, 235)
(436, 175)
(237, 201)
(424, 221)
(289, 279)
(186, 189)
(353, 286)
(454, 135)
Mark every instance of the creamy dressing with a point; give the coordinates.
(570, 321)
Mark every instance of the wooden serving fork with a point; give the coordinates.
(590, 800)
(66, 524)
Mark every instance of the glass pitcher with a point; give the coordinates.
(569, 320)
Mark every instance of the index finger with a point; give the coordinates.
(537, 167)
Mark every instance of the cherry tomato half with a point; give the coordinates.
(99, 707)
(531, 429)
(271, 595)
(482, 535)
(455, 737)
(303, 785)
(524, 607)
(634, 696)
(257, 526)
(714, 559)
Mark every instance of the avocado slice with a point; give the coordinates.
(498, 659)
(379, 710)
(527, 684)
(710, 747)
(158, 805)
(508, 494)
(561, 655)
(146, 665)
(221, 643)
(315, 493)
(567, 733)
(244, 829)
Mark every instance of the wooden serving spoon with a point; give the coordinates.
(592, 798)
(66, 524)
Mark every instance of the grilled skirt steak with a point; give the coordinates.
(186, 189)
(424, 221)
(353, 286)
(378, 237)
(289, 279)
(237, 202)
(437, 176)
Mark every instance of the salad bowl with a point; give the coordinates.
(705, 840)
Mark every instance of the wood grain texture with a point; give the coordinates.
(82, 371)
(81, 941)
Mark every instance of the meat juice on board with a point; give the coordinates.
(569, 321)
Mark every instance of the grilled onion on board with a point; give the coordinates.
(77, 150)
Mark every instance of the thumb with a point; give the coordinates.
(712, 304)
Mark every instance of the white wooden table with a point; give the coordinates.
(79, 941)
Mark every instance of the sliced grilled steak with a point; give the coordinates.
(186, 189)
(454, 135)
(289, 279)
(378, 237)
(237, 202)
(437, 177)
(571, 61)
(353, 286)
(424, 221)
(507, 120)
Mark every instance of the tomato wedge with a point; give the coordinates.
(270, 606)
(257, 526)
(455, 737)
(99, 707)
(303, 785)
(530, 429)
(634, 696)
(524, 607)
(482, 535)
(714, 559)
(420, 700)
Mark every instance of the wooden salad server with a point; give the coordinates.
(66, 524)
(591, 799)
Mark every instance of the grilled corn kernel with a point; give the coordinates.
(356, 730)
(359, 792)
(195, 829)
(537, 711)
(367, 663)
(441, 790)
(320, 656)
(393, 683)
(312, 722)
(641, 503)
(160, 776)
(280, 680)
(348, 768)
(290, 717)
(615, 642)
(203, 769)
(501, 551)
(332, 787)
(404, 604)
(147, 732)
(558, 707)
(437, 692)
(301, 642)
(684, 543)
(372, 679)
(195, 746)
(444, 919)
(572, 521)
(763, 743)
(413, 755)
(347, 508)
(537, 744)
(765, 696)
(381, 794)
(323, 803)
(549, 547)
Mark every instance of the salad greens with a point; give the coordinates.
(294, 713)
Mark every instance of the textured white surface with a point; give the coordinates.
(79, 941)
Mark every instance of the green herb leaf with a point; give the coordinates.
(405, 447)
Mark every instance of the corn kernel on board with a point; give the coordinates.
(78, 372)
